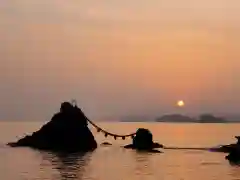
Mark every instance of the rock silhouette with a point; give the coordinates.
(143, 141)
(67, 131)
(234, 156)
(227, 148)
(234, 152)
(106, 144)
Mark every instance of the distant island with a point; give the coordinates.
(181, 118)
(175, 118)
(208, 118)
(204, 118)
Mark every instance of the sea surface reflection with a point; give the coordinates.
(115, 163)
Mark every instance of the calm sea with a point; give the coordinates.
(116, 163)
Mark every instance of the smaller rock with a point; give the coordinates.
(238, 139)
(106, 144)
(157, 145)
(227, 148)
(143, 141)
(224, 148)
(234, 156)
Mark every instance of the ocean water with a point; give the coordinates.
(115, 163)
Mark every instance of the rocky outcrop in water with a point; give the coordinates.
(227, 148)
(143, 141)
(234, 152)
(106, 144)
(67, 131)
(234, 156)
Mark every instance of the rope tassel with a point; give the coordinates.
(74, 103)
(108, 133)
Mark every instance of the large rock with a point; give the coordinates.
(67, 131)
(143, 141)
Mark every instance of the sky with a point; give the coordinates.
(117, 58)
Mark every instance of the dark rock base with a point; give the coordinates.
(67, 132)
(143, 141)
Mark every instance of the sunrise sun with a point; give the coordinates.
(180, 103)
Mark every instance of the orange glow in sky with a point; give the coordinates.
(120, 57)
